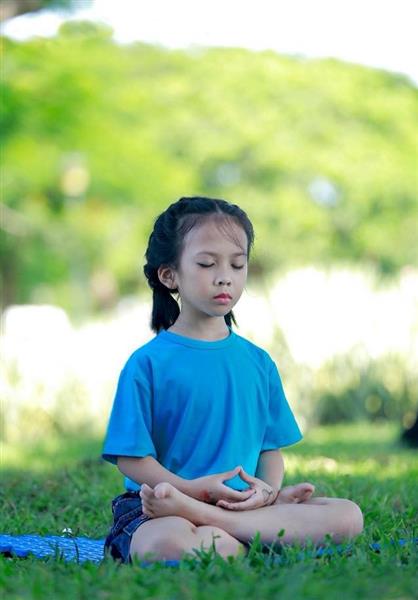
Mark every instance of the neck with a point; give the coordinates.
(199, 331)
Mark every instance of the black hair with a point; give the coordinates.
(165, 246)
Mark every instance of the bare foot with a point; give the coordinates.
(293, 494)
(165, 500)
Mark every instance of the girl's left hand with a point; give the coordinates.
(263, 494)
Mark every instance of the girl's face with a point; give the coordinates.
(213, 261)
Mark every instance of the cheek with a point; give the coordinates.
(204, 279)
(242, 278)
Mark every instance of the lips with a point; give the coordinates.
(226, 296)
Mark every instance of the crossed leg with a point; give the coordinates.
(170, 538)
(309, 520)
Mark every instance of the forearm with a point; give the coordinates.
(148, 470)
(270, 468)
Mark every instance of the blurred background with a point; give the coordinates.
(304, 113)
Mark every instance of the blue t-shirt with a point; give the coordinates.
(199, 407)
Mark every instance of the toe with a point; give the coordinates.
(146, 490)
(146, 496)
(159, 490)
(307, 489)
(163, 489)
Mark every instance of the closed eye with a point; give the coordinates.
(233, 266)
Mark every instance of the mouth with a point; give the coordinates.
(223, 297)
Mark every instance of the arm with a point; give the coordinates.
(148, 470)
(270, 468)
(208, 488)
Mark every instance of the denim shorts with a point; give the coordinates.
(127, 517)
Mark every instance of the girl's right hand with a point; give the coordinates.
(211, 488)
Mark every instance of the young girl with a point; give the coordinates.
(200, 415)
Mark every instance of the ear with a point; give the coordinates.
(167, 277)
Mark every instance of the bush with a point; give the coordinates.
(349, 387)
(384, 388)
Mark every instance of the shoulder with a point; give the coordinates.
(257, 353)
(140, 360)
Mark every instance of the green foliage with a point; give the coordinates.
(379, 389)
(349, 387)
(99, 138)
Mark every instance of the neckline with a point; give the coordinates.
(176, 338)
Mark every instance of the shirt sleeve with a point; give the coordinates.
(130, 423)
(282, 428)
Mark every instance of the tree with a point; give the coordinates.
(98, 138)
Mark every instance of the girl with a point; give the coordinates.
(200, 415)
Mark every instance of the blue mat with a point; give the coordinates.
(81, 549)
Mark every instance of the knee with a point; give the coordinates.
(163, 543)
(225, 544)
(167, 547)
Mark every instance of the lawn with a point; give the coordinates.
(65, 484)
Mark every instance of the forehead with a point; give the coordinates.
(217, 238)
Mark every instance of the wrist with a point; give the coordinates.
(190, 488)
(193, 488)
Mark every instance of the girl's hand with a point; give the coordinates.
(211, 488)
(263, 495)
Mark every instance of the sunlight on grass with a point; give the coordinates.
(50, 453)
(380, 467)
(361, 449)
(383, 431)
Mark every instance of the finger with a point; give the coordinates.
(244, 505)
(233, 500)
(231, 473)
(238, 496)
(224, 504)
(245, 476)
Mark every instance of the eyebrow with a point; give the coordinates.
(215, 254)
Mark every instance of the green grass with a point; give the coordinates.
(64, 483)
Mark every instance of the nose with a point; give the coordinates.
(224, 281)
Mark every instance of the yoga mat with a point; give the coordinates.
(78, 549)
(81, 549)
